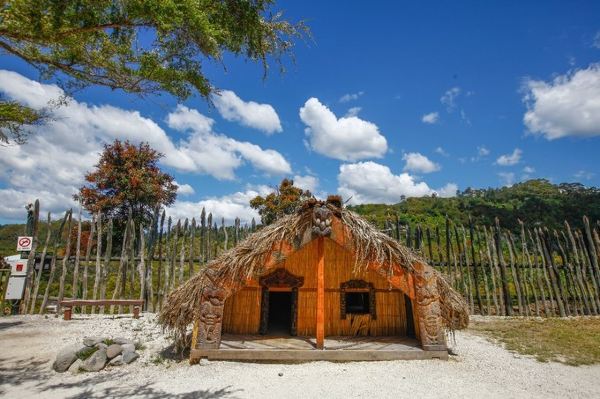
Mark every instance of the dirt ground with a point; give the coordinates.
(28, 346)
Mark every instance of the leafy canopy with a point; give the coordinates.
(283, 201)
(127, 177)
(141, 46)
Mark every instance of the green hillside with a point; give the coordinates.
(534, 202)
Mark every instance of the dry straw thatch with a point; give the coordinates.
(248, 258)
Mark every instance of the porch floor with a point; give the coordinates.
(286, 348)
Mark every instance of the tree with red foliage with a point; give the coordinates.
(127, 176)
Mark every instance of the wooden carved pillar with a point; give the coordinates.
(264, 310)
(211, 318)
(427, 304)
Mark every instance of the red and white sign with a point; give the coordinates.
(18, 267)
(24, 243)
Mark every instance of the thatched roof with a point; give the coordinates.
(247, 260)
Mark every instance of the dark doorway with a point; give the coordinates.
(280, 313)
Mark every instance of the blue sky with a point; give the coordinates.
(398, 98)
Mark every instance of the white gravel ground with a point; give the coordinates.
(28, 345)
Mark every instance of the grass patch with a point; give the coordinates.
(139, 346)
(573, 341)
(86, 353)
(108, 342)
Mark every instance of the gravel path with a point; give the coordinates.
(28, 345)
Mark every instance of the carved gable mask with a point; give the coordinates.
(321, 226)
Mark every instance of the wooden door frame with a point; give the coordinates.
(279, 280)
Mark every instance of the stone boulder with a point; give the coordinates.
(92, 341)
(128, 348)
(96, 362)
(117, 361)
(113, 350)
(75, 367)
(123, 341)
(65, 358)
(129, 357)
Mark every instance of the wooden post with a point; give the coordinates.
(75, 286)
(321, 293)
(38, 277)
(65, 261)
(31, 257)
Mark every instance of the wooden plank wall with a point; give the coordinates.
(242, 310)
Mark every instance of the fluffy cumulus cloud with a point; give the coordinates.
(348, 138)
(51, 165)
(569, 105)
(217, 154)
(307, 182)
(510, 159)
(351, 97)
(448, 191)
(227, 206)
(249, 113)
(184, 189)
(419, 163)
(370, 182)
(431, 118)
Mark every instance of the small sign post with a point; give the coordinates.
(24, 244)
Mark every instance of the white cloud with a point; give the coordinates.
(482, 152)
(419, 163)
(228, 206)
(370, 182)
(584, 175)
(252, 114)
(449, 98)
(184, 189)
(507, 178)
(510, 159)
(307, 182)
(441, 151)
(569, 105)
(217, 154)
(596, 41)
(448, 191)
(528, 169)
(353, 111)
(346, 138)
(58, 154)
(431, 118)
(351, 97)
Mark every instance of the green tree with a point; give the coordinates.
(140, 46)
(15, 120)
(283, 201)
(127, 176)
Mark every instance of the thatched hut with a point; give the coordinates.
(321, 272)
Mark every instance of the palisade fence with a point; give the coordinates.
(531, 272)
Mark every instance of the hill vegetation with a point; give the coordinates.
(534, 202)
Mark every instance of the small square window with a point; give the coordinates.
(357, 302)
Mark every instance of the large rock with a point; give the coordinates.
(96, 362)
(117, 361)
(65, 358)
(74, 369)
(128, 348)
(92, 341)
(129, 357)
(123, 341)
(113, 350)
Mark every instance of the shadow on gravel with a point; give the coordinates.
(149, 392)
(16, 372)
(7, 325)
